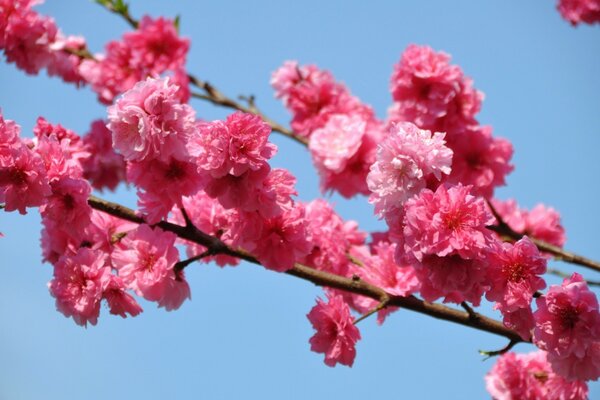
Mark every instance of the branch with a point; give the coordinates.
(320, 278)
(565, 275)
(493, 353)
(212, 94)
(507, 233)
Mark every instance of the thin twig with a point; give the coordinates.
(379, 307)
(182, 264)
(565, 275)
(493, 353)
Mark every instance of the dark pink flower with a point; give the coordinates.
(480, 160)
(447, 221)
(119, 301)
(104, 168)
(580, 11)
(515, 273)
(248, 142)
(568, 328)
(336, 334)
(431, 93)
(78, 284)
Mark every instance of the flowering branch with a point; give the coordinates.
(507, 233)
(321, 278)
(211, 93)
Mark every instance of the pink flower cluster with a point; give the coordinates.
(34, 42)
(336, 334)
(567, 326)
(343, 133)
(435, 95)
(152, 50)
(580, 11)
(530, 376)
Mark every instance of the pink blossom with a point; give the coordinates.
(530, 377)
(211, 146)
(331, 236)
(208, 215)
(515, 273)
(405, 159)
(248, 142)
(156, 45)
(57, 160)
(480, 160)
(313, 96)
(352, 178)
(432, 93)
(78, 284)
(381, 270)
(104, 168)
(541, 222)
(519, 319)
(152, 50)
(145, 260)
(63, 63)
(69, 141)
(27, 36)
(119, 301)
(568, 327)
(580, 11)
(452, 277)
(336, 334)
(277, 242)
(23, 180)
(334, 144)
(149, 122)
(161, 185)
(68, 205)
(106, 230)
(447, 221)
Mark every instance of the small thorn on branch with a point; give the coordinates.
(186, 218)
(182, 264)
(494, 353)
(383, 304)
(472, 314)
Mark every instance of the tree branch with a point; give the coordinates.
(320, 278)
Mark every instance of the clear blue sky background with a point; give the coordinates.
(245, 335)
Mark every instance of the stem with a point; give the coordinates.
(493, 353)
(320, 278)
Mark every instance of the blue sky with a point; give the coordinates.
(245, 334)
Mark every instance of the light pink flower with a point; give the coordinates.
(145, 260)
(69, 141)
(211, 147)
(149, 122)
(64, 63)
(580, 11)
(334, 144)
(405, 160)
(104, 168)
(568, 328)
(336, 334)
(78, 284)
(447, 221)
(480, 160)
